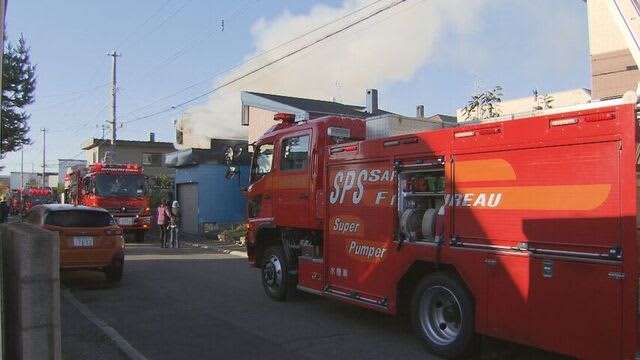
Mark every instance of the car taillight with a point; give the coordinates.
(112, 232)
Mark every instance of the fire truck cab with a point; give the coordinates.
(523, 229)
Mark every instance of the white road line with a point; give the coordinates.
(110, 332)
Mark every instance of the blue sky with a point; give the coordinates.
(170, 45)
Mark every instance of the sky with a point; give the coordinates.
(175, 52)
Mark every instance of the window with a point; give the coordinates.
(72, 218)
(262, 160)
(151, 159)
(295, 152)
(115, 185)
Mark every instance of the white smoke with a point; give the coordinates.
(389, 47)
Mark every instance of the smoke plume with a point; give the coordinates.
(387, 48)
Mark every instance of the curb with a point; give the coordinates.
(122, 344)
(215, 248)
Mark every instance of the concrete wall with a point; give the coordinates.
(526, 104)
(31, 282)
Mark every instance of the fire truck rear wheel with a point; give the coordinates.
(274, 273)
(442, 313)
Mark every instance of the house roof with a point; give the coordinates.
(443, 118)
(314, 108)
(93, 142)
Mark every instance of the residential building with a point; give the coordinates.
(150, 154)
(258, 110)
(19, 179)
(613, 68)
(208, 200)
(64, 165)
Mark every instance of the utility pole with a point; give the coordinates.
(44, 150)
(114, 90)
(21, 171)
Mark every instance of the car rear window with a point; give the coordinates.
(73, 218)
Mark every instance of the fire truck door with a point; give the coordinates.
(292, 182)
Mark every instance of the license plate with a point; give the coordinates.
(83, 241)
(124, 221)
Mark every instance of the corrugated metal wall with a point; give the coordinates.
(219, 200)
(188, 199)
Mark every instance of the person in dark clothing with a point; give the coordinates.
(164, 216)
(4, 211)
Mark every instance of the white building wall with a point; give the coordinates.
(560, 99)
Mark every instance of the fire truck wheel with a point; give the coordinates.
(274, 273)
(443, 315)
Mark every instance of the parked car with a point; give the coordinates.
(89, 237)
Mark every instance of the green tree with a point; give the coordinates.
(543, 101)
(18, 87)
(484, 105)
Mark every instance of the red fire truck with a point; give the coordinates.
(523, 229)
(121, 189)
(35, 196)
(22, 200)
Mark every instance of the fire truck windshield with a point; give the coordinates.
(116, 185)
(39, 199)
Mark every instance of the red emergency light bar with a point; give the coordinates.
(284, 117)
(40, 191)
(116, 168)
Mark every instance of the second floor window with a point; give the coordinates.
(151, 159)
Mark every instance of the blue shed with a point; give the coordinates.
(207, 198)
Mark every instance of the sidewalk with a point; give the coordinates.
(225, 247)
(81, 339)
(201, 241)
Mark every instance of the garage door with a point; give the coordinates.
(188, 198)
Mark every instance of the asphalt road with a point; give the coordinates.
(195, 304)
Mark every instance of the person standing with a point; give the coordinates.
(164, 216)
(174, 224)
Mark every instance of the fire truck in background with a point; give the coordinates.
(35, 196)
(522, 229)
(119, 188)
(22, 200)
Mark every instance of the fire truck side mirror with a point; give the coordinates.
(231, 172)
(228, 155)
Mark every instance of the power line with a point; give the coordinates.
(213, 31)
(164, 21)
(342, 29)
(154, 14)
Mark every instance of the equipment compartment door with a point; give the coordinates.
(360, 230)
(544, 220)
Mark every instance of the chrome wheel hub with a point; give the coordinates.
(272, 273)
(440, 315)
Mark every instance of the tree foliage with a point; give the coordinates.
(484, 105)
(543, 101)
(18, 88)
